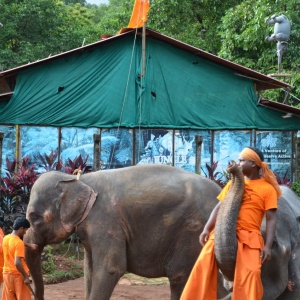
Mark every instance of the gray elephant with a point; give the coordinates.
(280, 276)
(282, 31)
(282, 28)
(142, 219)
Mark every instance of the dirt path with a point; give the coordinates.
(128, 288)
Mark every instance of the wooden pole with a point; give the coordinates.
(199, 140)
(144, 50)
(97, 140)
(1, 147)
(18, 148)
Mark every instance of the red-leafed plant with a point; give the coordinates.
(216, 176)
(78, 163)
(283, 180)
(15, 191)
(50, 162)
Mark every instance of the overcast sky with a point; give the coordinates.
(97, 1)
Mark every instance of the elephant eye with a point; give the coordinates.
(33, 217)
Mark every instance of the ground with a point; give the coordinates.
(130, 286)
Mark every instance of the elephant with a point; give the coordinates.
(281, 275)
(282, 31)
(144, 219)
(282, 28)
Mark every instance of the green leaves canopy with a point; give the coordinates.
(235, 29)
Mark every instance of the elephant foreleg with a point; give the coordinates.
(88, 271)
(107, 266)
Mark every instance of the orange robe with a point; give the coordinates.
(14, 287)
(259, 197)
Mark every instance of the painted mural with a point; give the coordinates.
(152, 146)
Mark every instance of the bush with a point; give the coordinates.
(296, 188)
(218, 177)
(15, 191)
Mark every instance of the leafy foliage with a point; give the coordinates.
(283, 180)
(234, 30)
(216, 176)
(15, 191)
(49, 162)
(296, 188)
(78, 163)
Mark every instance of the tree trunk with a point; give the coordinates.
(225, 229)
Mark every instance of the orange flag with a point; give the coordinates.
(139, 14)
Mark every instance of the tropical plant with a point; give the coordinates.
(78, 163)
(216, 176)
(50, 162)
(296, 188)
(283, 180)
(15, 191)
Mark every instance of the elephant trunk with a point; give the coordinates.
(225, 228)
(33, 261)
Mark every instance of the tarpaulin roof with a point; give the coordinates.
(101, 86)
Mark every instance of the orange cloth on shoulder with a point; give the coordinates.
(268, 175)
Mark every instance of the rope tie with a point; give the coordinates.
(77, 172)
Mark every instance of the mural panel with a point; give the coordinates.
(77, 141)
(154, 146)
(116, 148)
(185, 149)
(277, 149)
(228, 145)
(9, 145)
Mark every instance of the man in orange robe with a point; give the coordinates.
(260, 198)
(15, 270)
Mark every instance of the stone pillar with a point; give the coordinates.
(97, 142)
(199, 140)
(1, 146)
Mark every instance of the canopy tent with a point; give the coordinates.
(101, 86)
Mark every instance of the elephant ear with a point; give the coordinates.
(77, 200)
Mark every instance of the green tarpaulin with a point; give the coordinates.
(102, 87)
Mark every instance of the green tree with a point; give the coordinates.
(243, 31)
(81, 2)
(192, 21)
(35, 29)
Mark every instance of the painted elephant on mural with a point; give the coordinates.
(281, 275)
(143, 219)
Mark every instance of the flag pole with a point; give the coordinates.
(144, 50)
